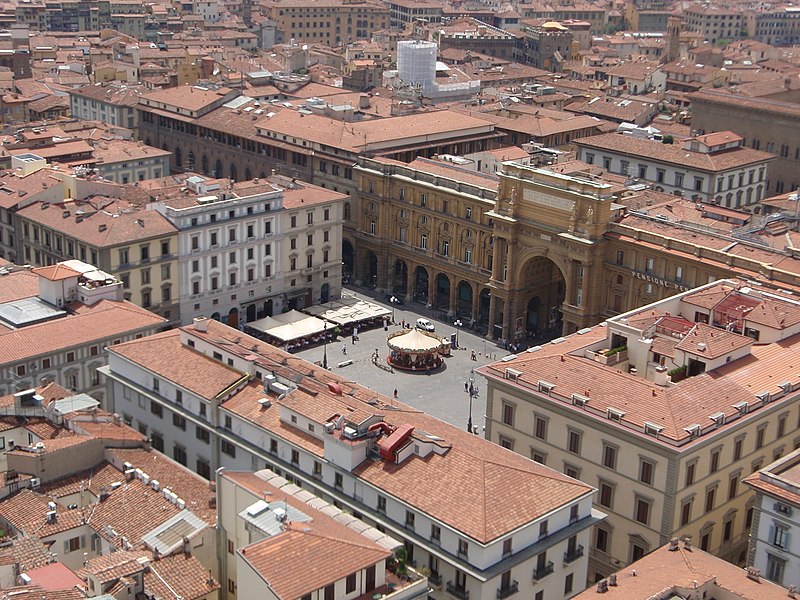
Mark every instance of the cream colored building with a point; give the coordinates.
(664, 410)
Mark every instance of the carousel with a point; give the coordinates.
(414, 350)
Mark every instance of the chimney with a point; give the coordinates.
(687, 543)
(673, 544)
(612, 580)
(187, 548)
(602, 586)
(201, 324)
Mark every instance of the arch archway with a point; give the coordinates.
(251, 313)
(400, 277)
(348, 258)
(216, 316)
(371, 268)
(233, 172)
(248, 174)
(233, 317)
(204, 164)
(178, 157)
(218, 168)
(421, 284)
(543, 291)
(483, 305)
(324, 293)
(464, 300)
(442, 291)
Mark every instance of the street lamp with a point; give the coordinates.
(325, 345)
(457, 323)
(393, 301)
(473, 393)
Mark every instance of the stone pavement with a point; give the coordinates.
(441, 393)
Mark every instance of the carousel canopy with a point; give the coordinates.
(414, 340)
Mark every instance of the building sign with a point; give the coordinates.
(658, 281)
(545, 199)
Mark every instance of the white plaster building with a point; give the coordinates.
(211, 396)
(715, 167)
(252, 249)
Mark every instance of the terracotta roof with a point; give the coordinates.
(179, 575)
(27, 511)
(682, 573)
(56, 272)
(675, 154)
(117, 223)
(711, 342)
(98, 322)
(55, 576)
(464, 487)
(22, 284)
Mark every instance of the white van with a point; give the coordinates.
(425, 325)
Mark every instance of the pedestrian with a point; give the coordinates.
(354, 339)
(344, 349)
(473, 355)
(466, 386)
(395, 393)
(404, 323)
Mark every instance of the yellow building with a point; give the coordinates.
(330, 22)
(138, 247)
(664, 409)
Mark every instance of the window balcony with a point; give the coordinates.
(572, 556)
(543, 572)
(435, 579)
(457, 592)
(505, 592)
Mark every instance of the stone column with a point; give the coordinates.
(453, 299)
(476, 301)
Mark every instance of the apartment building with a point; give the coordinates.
(774, 549)
(252, 249)
(263, 518)
(329, 22)
(715, 23)
(138, 247)
(56, 321)
(113, 103)
(665, 409)
(715, 167)
(214, 397)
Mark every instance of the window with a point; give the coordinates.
(714, 467)
(540, 427)
(775, 568)
(637, 551)
(145, 252)
(686, 512)
(202, 434)
(574, 442)
(423, 241)
(737, 449)
(779, 536)
(463, 548)
(690, 472)
(227, 448)
(350, 583)
(507, 547)
(338, 480)
(733, 486)
(409, 519)
(295, 457)
(648, 265)
(646, 470)
(782, 426)
(382, 504)
(620, 258)
(508, 414)
(601, 539)
(606, 494)
(156, 409)
(179, 454)
(609, 457)
(760, 432)
(436, 533)
(711, 494)
(543, 529)
(642, 514)
(568, 584)
(178, 421)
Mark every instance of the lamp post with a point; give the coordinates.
(473, 392)
(325, 345)
(457, 323)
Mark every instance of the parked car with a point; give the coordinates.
(425, 325)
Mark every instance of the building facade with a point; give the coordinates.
(661, 409)
(708, 168)
(774, 548)
(253, 249)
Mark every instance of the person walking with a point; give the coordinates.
(466, 386)
(473, 355)
(395, 393)
(344, 349)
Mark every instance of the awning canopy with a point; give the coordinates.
(289, 326)
(348, 311)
